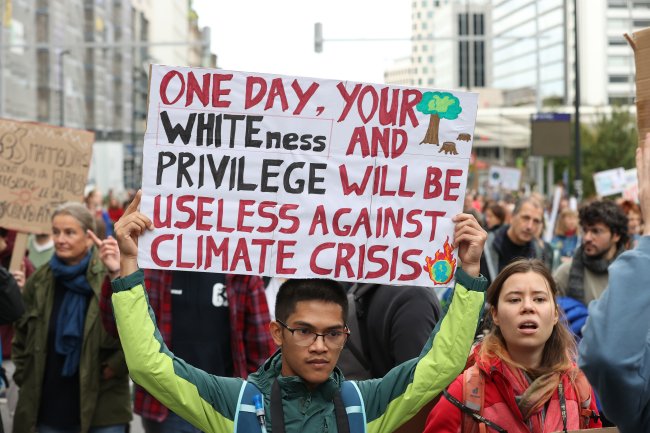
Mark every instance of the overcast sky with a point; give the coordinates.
(277, 36)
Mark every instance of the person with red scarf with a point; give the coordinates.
(525, 365)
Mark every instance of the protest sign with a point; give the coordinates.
(41, 166)
(299, 177)
(631, 190)
(610, 182)
(507, 178)
(640, 43)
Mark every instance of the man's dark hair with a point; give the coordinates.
(310, 289)
(608, 213)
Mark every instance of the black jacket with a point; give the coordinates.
(11, 300)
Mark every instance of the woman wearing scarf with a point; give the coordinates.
(523, 373)
(72, 375)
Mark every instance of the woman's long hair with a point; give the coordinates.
(560, 349)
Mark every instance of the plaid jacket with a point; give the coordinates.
(251, 342)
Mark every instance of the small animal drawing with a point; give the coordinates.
(448, 147)
(464, 137)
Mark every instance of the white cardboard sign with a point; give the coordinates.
(300, 177)
(610, 182)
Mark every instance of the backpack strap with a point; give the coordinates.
(473, 397)
(583, 393)
(246, 419)
(354, 406)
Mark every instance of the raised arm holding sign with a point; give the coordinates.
(297, 177)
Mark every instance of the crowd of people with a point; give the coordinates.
(513, 346)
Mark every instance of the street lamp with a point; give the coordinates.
(578, 153)
(62, 98)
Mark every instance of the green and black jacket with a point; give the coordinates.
(210, 402)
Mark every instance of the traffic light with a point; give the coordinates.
(318, 37)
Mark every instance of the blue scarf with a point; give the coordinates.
(68, 338)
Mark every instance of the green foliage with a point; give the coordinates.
(610, 143)
(444, 104)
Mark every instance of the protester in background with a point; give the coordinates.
(11, 300)
(11, 309)
(614, 352)
(72, 375)
(391, 324)
(95, 204)
(495, 216)
(310, 329)
(7, 241)
(604, 236)
(634, 222)
(394, 323)
(40, 247)
(566, 238)
(523, 376)
(478, 202)
(516, 240)
(115, 209)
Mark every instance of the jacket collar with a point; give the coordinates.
(292, 386)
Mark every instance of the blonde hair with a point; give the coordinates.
(560, 227)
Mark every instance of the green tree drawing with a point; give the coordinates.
(440, 105)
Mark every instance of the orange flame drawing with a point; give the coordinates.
(444, 272)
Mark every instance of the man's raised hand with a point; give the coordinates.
(127, 230)
(470, 239)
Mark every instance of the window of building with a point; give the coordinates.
(617, 3)
(463, 24)
(619, 78)
(619, 60)
(621, 100)
(617, 23)
(641, 4)
(478, 24)
(641, 23)
(617, 40)
(463, 63)
(479, 64)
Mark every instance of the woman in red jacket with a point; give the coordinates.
(524, 378)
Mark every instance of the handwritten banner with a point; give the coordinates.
(41, 166)
(299, 177)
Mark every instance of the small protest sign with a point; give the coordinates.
(507, 178)
(610, 182)
(41, 166)
(300, 177)
(631, 190)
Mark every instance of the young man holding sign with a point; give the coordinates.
(303, 371)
